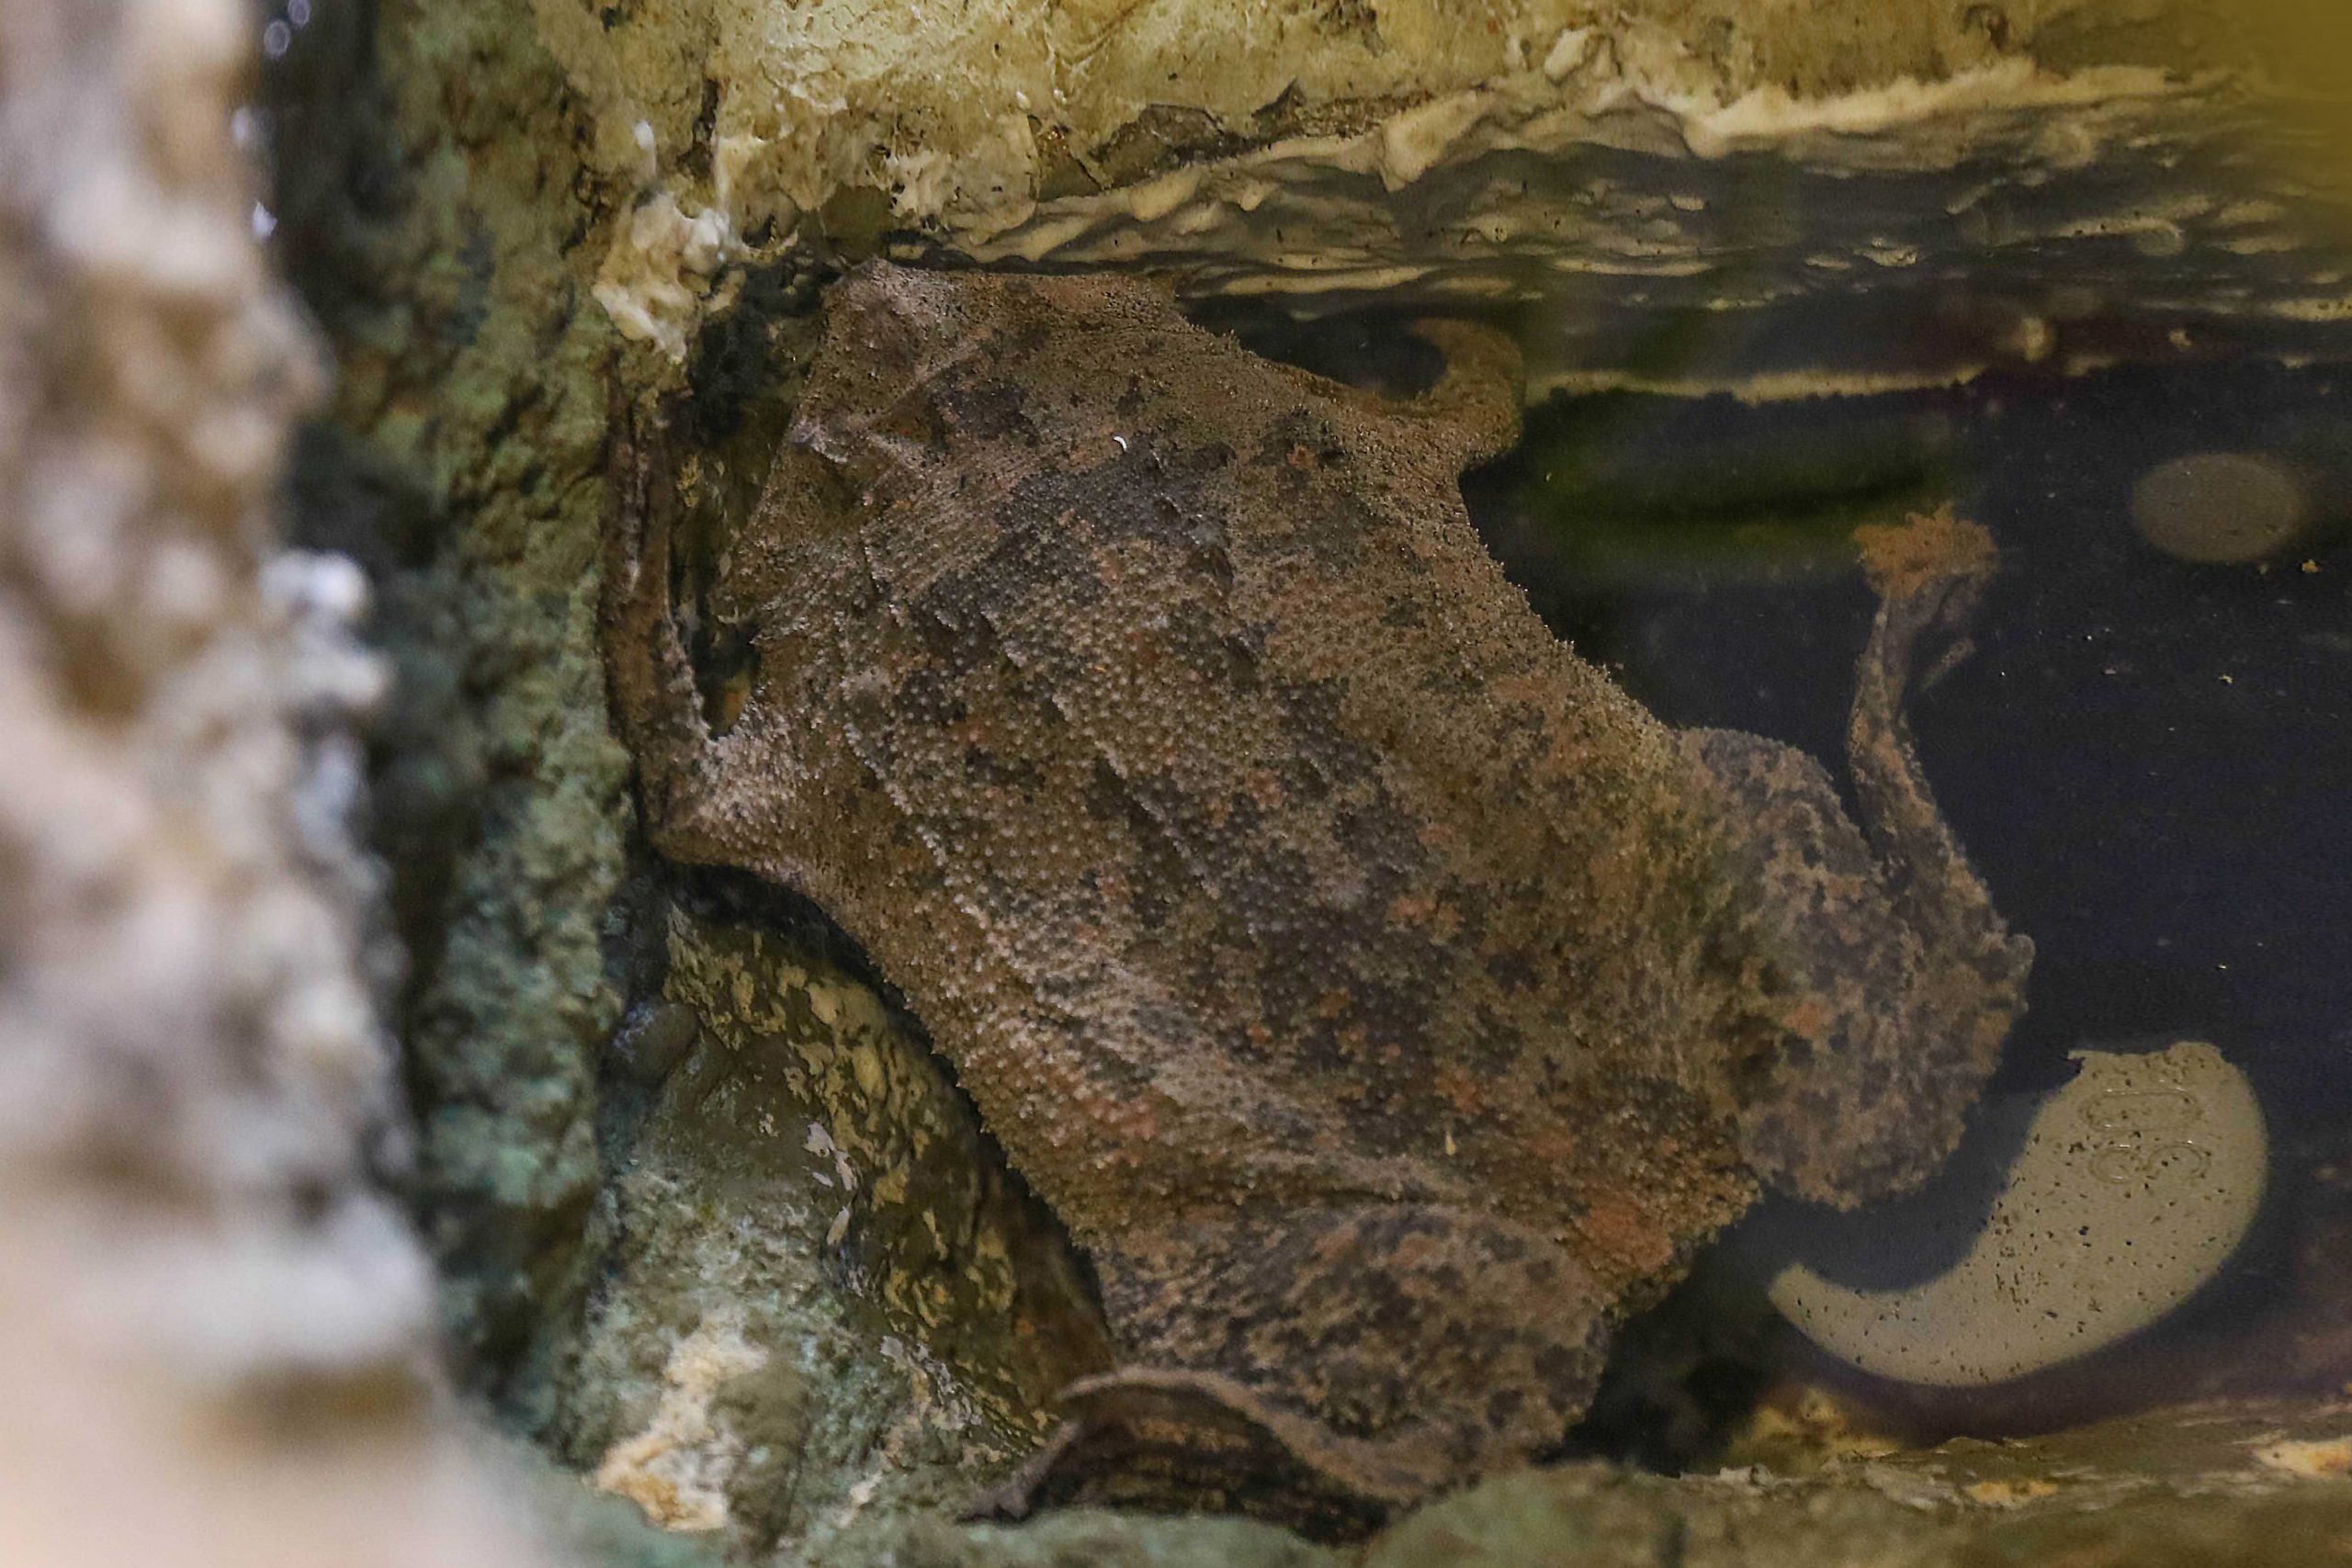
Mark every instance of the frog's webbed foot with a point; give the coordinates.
(649, 675)
(1929, 574)
(1325, 1364)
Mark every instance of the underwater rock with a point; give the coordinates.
(2238, 1483)
(2134, 1184)
(2248, 1484)
(2179, 1489)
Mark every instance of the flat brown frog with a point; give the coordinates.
(1385, 999)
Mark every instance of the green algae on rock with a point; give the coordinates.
(821, 1297)
(426, 209)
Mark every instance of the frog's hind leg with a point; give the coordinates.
(1929, 574)
(1968, 987)
(1325, 1366)
(648, 676)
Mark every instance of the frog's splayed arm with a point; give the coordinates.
(1893, 981)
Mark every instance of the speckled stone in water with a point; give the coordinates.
(2135, 1182)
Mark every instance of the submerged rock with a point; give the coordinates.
(2233, 508)
(2132, 1187)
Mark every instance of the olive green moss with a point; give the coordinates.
(2186, 1488)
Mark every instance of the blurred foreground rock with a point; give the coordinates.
(215, 1325)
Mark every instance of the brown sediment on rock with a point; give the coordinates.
(1961, 177)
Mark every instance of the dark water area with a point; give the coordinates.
(2149, 759)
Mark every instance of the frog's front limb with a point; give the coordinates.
(648, 676)
(1327, 1354)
